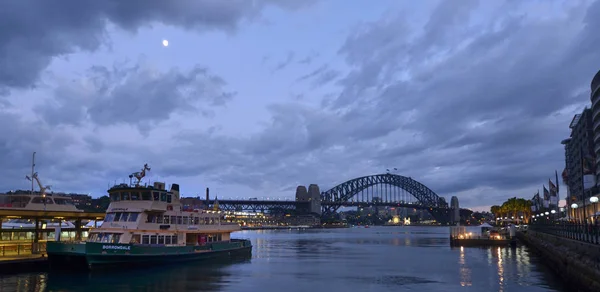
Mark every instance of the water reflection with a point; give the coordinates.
(465, 271)
(374, 259)
(30, 282)
(208, 276)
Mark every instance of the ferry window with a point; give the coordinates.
(39, 200)
(179, 220)
(115, 196)
(196, 220)
(206, 220)
(151, 219)
(146, 196)
(156, 196)
(166, 219)
(152, 239)
(124, 216)
(159, 219)
(115, 238)
(125, 196)
(174, 239)
(163, 197)
(133, 217)
(173, 220)
(219, 237)
(117, 216)
(107, 238)
(212, 221)
(185, 219)
(145, 239)
(109, 217)
(169, 198)
(92, 237)
(60, 201)
(161, 239)
(167, 239)
(19, 201)
(135, 196)
(99, 238)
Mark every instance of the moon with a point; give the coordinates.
(165, 43)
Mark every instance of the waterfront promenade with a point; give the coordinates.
(572, 250)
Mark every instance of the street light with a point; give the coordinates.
(547, 213)
(594, 200)
(553, 211)
(574, 206)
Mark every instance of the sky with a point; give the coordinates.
(254, 97)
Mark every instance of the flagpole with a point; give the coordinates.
(557, 190)
(32, 171)
(583, 185)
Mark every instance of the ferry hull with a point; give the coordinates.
(96, 256)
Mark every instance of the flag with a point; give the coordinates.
(552, 187)
(546, 194)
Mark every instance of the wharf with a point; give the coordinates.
(472, 242)
(460, 237)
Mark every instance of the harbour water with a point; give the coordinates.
(354, 259)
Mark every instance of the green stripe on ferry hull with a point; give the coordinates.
(105, 261)
(102, 254)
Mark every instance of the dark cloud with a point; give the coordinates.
(512, 79)
(137, 95)
(286, 62)
(35, 31)
(488, 114)
(320, 76)
(472, 103)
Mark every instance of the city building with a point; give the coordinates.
(192, 203)
(581, 138)
(595, 98)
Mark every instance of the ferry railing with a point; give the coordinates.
(589, 233)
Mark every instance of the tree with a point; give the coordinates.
(513, 207)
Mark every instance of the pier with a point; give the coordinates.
(22, 249)
(571, 250)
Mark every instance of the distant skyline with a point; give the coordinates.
(253, 98)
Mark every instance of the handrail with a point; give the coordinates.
(589, 233)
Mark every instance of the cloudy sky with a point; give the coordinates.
(252, 98)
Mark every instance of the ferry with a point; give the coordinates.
(40, 201)
(148, 225)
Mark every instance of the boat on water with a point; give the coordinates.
(37, 201)
(148, 224)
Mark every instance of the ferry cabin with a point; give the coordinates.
(154, 216)
(36, 202)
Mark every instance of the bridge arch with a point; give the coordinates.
(342, 193)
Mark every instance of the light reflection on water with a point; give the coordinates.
(356, 259)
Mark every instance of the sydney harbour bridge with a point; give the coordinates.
(387, 189)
